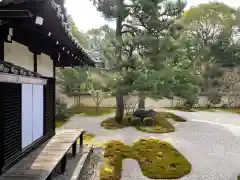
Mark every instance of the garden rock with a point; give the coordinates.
(148, 121)
(142, 113)
(135, 121)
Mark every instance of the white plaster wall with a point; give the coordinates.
(150, 103)
(203, 101)
(19, 55)
(45, 65)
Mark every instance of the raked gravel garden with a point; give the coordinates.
(205, 147)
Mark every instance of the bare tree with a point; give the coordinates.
(130, 103)
(98, 96)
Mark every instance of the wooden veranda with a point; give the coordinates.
(41, 162)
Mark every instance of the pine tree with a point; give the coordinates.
(144, 43)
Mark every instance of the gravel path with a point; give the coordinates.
(209, 140)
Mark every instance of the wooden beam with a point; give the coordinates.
(9, 14)
(1, 43)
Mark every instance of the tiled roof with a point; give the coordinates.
(62, 16)
(5, 2)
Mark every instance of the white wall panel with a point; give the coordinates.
(45, 65)
(37, 111)
(27, 114)
(19, 55)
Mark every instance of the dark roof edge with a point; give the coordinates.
(61, 13)
(5, 2)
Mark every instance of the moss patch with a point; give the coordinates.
(162, 124)
(87, 138)
(157, 159)
(110, 123)
(182, 109)
(91, 111)
(233, 110)
(172, 116)
(59, 123)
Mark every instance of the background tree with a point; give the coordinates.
(80, 36)
(214, 26)
(71, 81)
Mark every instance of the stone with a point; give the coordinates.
(136, 121)
(149, 121)
(142, 113)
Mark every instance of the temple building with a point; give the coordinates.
(35, 38)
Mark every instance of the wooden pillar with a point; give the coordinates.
(1, 43)
(74, 149)
(81, 140)
(54, 93)
(54, 58)
(34, 62)
(64, 164)
(1, 100)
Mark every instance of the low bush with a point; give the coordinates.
(224, 106)
(62, 112)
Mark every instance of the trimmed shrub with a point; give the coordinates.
(224, 106)
(62, 112)
(136, 121)
(148, 121)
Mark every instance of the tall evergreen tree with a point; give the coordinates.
(143, 39)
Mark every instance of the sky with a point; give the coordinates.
(87, 17)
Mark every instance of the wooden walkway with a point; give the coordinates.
(40, 163)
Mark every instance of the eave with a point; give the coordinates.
(52, 26)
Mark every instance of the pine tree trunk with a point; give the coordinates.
(119, 107)
(119, 94)
(79, 100)
(141, 103)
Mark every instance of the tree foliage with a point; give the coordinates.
(71, 80)
(159, 50)
(80, 36)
